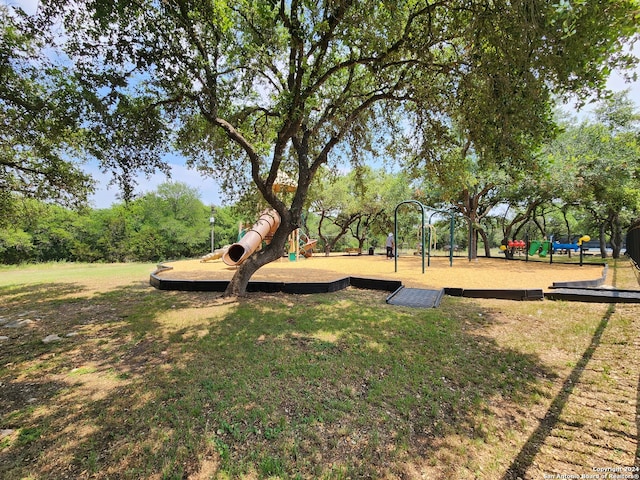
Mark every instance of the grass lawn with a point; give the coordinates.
(143, 383)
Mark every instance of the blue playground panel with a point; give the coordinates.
(565, 246)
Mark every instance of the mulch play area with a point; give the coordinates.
(483, 273)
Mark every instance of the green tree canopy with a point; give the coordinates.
(600, 160)
(39, 130)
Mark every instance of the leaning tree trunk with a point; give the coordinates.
(325, 241)
(238, 285)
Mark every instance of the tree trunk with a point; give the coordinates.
(603, 241)
(616, 235)
(238, 285)
(485, 240)
(327, 246)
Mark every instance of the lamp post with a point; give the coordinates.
(212, 221)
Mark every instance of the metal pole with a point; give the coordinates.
(212, 220)
(395, 230)
(451, 231)
(395, 237)
(429, 240)
(423, 244)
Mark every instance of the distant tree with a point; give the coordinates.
(359, 203)
(16, 246)
(330, 200)
(174, 217)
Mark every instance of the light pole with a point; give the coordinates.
(212, 221)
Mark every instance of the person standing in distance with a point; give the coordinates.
(390, 244)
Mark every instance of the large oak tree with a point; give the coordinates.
(252, 88)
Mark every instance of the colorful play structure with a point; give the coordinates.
(539, 247)
(542, 248)
(300, 244)
(251, 239)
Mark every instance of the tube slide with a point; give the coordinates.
(266, 226)
(534, 247)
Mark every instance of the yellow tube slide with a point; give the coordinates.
(264, 228)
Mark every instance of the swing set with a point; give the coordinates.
(424, 242)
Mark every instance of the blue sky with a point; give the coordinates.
(106, 195)
(208, 188)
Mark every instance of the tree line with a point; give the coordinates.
(585, 182)
(169, 223)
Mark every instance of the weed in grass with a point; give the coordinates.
(222, 448)
(29, 435)
(77, 372)
(271, 466)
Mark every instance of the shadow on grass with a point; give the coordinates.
(637, 463)
(524, 459)
(40, 386)
(27, 296)
(332, 386)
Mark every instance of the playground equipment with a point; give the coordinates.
(544, 247)
(423, 243)
(262, 230)
(557, 246)
(250, 240)
(539, 247)
(577, 246)
(570, 246)
(516, 246)
(300, 244)
(432, 239)
(306, 245)
(216, 254)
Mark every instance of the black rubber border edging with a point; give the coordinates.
(580, 289)
(594, 295)
(271, 287)
(585, 283)
(517, 294)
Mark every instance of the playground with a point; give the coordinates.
(494, 273)
(474, 278)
